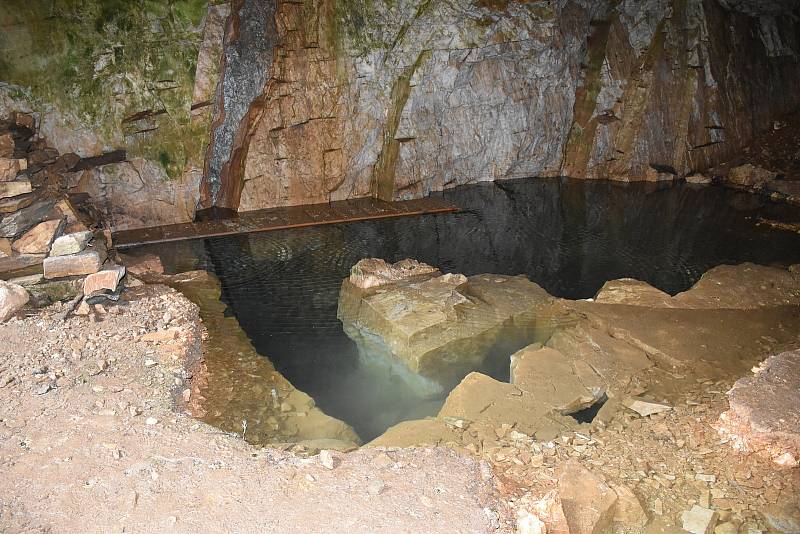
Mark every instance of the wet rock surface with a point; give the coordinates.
(436, 328)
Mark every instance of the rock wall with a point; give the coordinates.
(397, 99)
(106, 75)
(253, 104)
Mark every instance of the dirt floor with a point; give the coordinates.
(89, 442)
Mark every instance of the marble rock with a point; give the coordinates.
(71, 243)
(38, 239)
(433, 329)
(86, 262)
(12, 298)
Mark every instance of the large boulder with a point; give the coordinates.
(764, 413)
(433, 329)
(566, 384)
(12, 298)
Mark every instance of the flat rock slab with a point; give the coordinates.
(10, 205)
(566, 384)
(87, 262)
(71, 243)
(744, 286)
(764, 412)
(37, 240)
(13, 265)
(491, 403)
(16, 188)
(12, 298)
(23, 220)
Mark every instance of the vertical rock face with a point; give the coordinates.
(101, 76)
(673, 87)
(397, 99)
(246, 65)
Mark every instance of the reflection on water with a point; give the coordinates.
(568, 236)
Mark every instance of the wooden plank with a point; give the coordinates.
(281, 218)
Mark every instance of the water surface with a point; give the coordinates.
(569, 236)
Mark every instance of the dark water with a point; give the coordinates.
(568, 236)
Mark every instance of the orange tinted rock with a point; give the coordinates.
(38, 239)
(6, 145)
(588, 502)
(107, 279)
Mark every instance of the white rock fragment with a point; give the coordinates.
(699, 520)
(12, 298)
(645, 407)
(71, 243)
(326, 459)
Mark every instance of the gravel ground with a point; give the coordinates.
(93, 439)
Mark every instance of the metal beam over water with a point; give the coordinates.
(343, 211)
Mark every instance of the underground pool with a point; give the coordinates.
(567, 236)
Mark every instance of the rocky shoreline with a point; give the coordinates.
(100, 405)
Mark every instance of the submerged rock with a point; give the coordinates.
(750, 176)
(433, 329)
